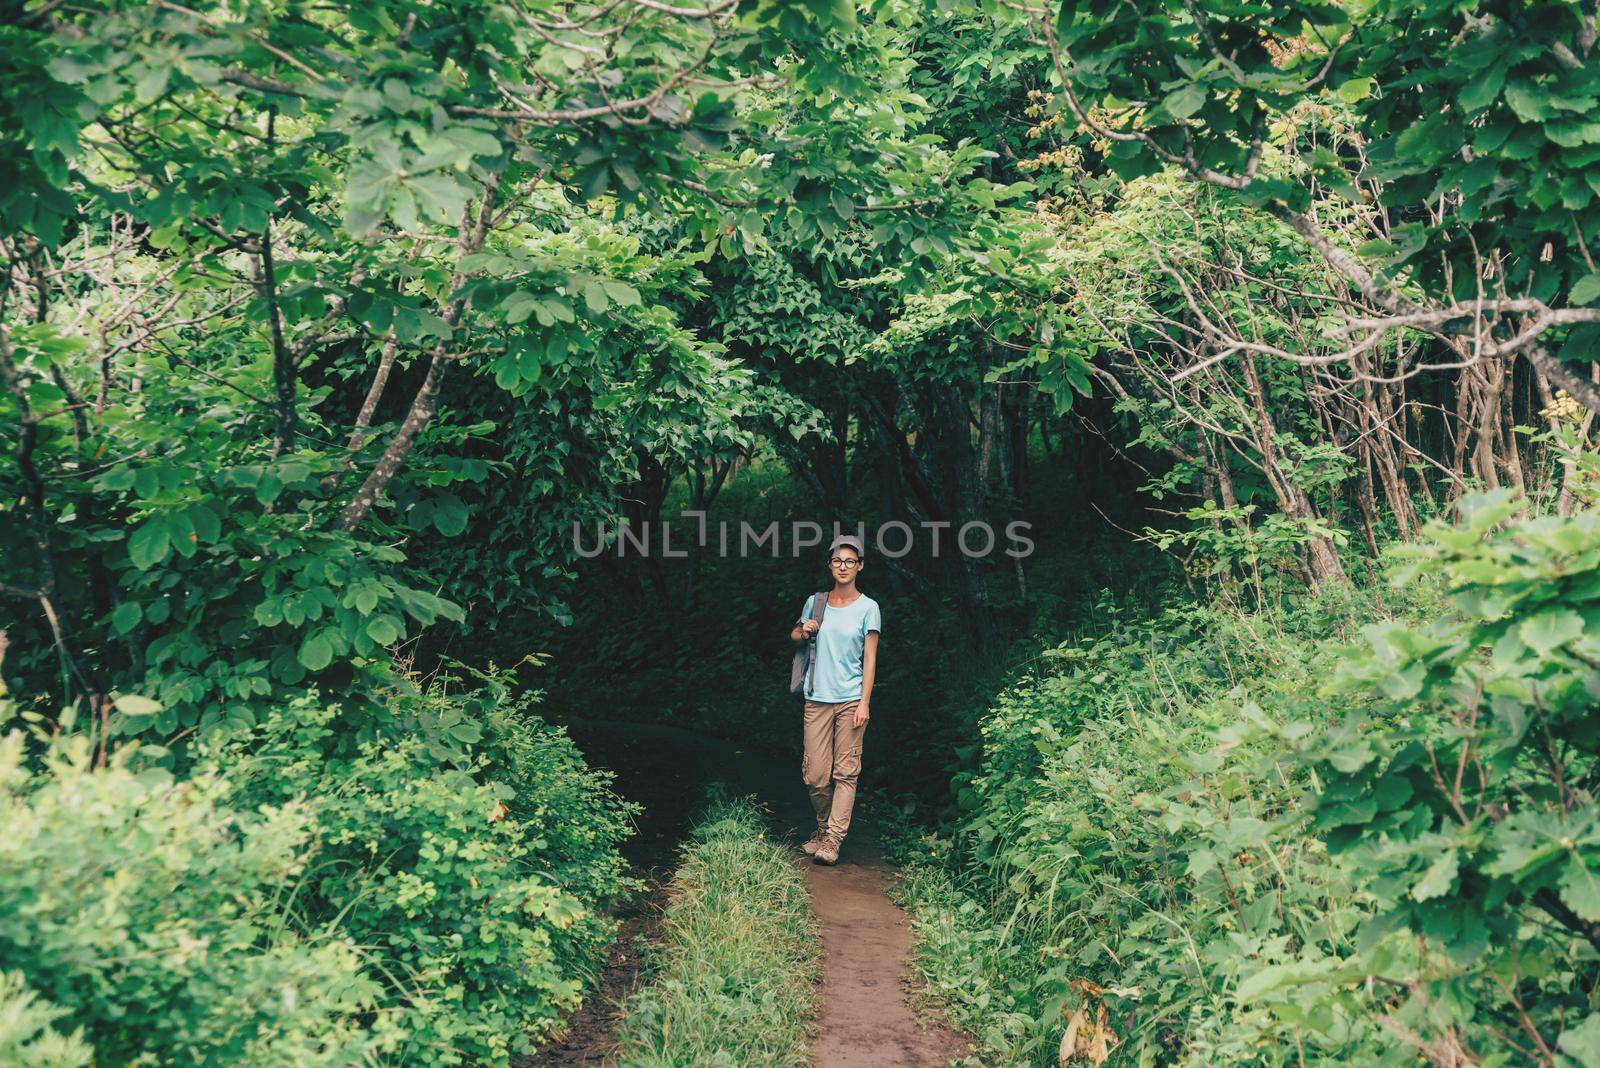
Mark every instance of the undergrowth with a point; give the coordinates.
(1357, 826)
(735, 974)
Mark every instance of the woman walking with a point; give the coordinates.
(838, 692)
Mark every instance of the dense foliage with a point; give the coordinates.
(324, 330)
(282, 903)
(319, 329)
(148, 910)
(1222, 839)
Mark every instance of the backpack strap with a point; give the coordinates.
(819, 604)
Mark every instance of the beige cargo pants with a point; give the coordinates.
(832, 762)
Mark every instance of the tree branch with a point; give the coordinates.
(426, 400)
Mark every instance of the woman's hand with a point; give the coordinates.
(809, 627)
(861, 716)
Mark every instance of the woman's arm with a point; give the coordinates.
(802, 631)
(869, 671)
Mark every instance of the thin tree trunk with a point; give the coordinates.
(1292, 500)
(961, 474)
(369, 407)
(988, 432)
(1505, 422)
(1365, 500)
(45, 590)
(426, 401)
(285, 402)
(369, 404)
(1014, 410)
(1485, 409)
(423, 406)
(917, 477)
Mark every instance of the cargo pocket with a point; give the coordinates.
(847, 765)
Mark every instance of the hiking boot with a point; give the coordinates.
(810, 846)
(828, 851)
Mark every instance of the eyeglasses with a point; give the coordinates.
(838, 561)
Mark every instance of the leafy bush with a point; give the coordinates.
(1115, 858)
(575, 821)
(735, 979)
(1214, 837)
(28, 1038)
(1462, 793)
(166, 923)
(290, 903)
(479, 898)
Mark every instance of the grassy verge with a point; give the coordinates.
(735, 975)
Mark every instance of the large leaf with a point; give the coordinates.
(149, 543)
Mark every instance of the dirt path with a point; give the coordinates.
(866, 1018)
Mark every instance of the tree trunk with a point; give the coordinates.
(426, 400)
(1323, 558)
(954, 431)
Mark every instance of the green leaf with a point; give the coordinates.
(449, 515)
(595, 181)
(268, 488)
(207, 527)
(1436, 881)
(315, 652)
(1526, 102)
(1548, 631)
(1582, 1043)
(622, 293)
(1580, 889)
(132, 704)
(1185, 101)
(1585, 290)
(384, 630)
(127, 616)
(1484, 89)
(151, 81)
(1429, 140)
(146, 482)
(1356, 89)
(440, 197)
(518, 306)
(180, 532)
(269, 613)
(149, 544)
(1275, 978)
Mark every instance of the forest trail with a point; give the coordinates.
(866, 1017)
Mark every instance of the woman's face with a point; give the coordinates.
(844, 566)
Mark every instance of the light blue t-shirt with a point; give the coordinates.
(841, 644)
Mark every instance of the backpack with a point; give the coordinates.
(805, 656)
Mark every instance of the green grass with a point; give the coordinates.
(736, 968)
